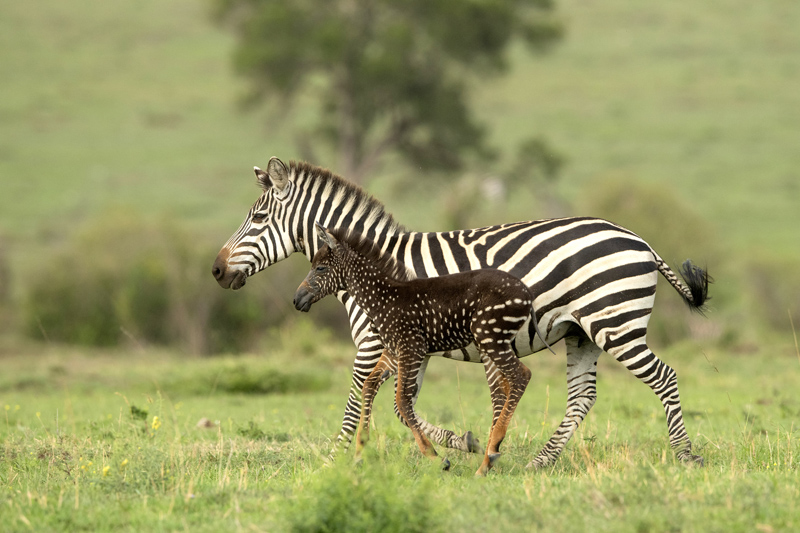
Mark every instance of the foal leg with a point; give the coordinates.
(515, 376)
(409, 360)
(370, 348)
(371, 385)
(498, 387)
(466, 443)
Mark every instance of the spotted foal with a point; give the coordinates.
(419, 316)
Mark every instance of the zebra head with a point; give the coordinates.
(264, 238)
(326, 275)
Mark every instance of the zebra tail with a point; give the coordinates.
(695, 287)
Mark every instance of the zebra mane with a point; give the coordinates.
(367, 208)
(370, 251)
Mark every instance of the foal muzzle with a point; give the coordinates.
(303, 298)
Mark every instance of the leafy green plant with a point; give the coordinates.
(125, 280)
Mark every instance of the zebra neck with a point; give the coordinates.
(335, 203)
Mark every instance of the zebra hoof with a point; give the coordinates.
(694, 459)
(473, 445)
(537, 464)
(445, 465)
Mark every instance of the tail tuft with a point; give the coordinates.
(697, 280)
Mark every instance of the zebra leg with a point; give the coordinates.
(582, 356)
(643, 363)
(368, 395)
(466, 443)
(368, 355)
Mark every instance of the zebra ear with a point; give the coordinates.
(326, 237)
(263, 179)
(277, 173)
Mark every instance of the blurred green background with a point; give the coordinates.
(126, 162)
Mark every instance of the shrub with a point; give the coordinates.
(122, 279)
(246, 378)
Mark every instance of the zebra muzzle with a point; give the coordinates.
(238, 281)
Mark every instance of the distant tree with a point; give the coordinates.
(389, 74)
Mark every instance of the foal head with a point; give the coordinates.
(326, 275)
(343, 256)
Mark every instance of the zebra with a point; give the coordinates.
(594, 284)
(485, 307)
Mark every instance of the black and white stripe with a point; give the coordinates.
(594, 284)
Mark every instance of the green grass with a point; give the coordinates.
(75, 457)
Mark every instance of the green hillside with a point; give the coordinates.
(702, 97)
(119, 106)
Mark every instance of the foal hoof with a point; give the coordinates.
(473, 446)
(445, 465)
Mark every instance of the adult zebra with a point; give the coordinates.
(594, 284)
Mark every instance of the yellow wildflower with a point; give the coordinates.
(105, 470)
(156, 423)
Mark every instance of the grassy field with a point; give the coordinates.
(131, 109)
(101, 441)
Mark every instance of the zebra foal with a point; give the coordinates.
(416, 316)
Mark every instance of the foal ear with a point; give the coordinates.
(326, 236)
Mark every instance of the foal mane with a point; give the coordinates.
(370, 251)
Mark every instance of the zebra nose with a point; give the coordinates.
(218, 269)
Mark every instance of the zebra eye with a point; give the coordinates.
(258, 218)
(321, 268)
